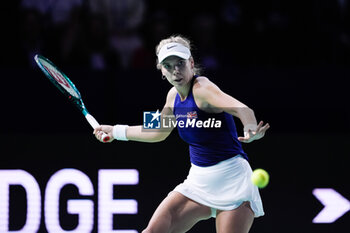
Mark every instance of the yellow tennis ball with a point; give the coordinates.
(260, 178)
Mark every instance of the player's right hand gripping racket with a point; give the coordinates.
(62, 82)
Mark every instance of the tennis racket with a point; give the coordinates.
(63, 83)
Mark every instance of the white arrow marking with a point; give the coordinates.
(335, 205)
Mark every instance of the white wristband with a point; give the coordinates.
(119, 132)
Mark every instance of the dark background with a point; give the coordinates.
(287, 60)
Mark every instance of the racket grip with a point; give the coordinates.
(105, 137)
(94, 124)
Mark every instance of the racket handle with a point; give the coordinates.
(105, 137)
(94, 124)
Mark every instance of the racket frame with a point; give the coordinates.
(76, 100)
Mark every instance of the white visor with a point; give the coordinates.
(173, 49)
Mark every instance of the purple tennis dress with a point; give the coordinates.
(220, 173)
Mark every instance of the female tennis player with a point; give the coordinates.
(218, 184)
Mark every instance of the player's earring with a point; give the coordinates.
(163, 77)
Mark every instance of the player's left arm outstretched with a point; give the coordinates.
(207, 94)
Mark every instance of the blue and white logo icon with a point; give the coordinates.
(151, 120)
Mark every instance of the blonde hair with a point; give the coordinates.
(177, 39)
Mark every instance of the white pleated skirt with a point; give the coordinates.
(224, 186)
